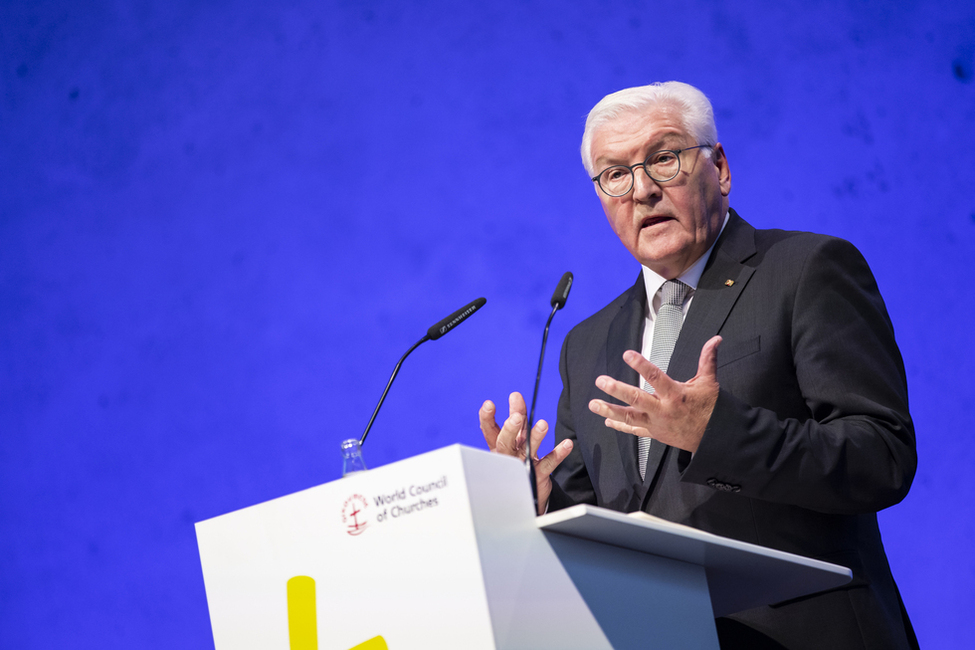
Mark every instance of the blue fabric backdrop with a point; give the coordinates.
(201, 292)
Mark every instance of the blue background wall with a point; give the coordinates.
(221, 223)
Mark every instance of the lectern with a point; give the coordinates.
(444, 551)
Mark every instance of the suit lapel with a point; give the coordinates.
(709, 309)
(722, 282)
(626, 333)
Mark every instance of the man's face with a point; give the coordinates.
(666, 226)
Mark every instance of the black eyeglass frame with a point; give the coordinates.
(646, 170)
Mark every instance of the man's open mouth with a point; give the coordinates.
(653, 221)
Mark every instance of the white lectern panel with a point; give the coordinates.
(404, 552)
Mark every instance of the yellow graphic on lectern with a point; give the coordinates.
(303, 619)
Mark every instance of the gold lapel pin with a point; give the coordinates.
(728, 283)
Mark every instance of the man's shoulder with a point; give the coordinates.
(766, 238)
(794, 247)
(794, 239)
(796, 252)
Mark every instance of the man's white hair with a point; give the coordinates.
(696, 114)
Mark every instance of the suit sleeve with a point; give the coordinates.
(852, 450)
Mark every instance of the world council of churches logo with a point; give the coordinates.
(353, 515)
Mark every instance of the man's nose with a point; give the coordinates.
(644, 186)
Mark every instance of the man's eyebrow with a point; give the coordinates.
(662, 142)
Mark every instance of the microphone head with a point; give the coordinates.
(562, 291)
(455, 319)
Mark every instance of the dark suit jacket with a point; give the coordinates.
(810, 437)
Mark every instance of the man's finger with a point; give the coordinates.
(622, 427)
(626, 416)
(511, 440)
(707, 366)
(489, 426)
(638, 362)
(552, 459)
(662, 384)
(516, 404)
(624, 392)
(538, 434)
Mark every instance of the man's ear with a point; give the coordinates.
(720, 161)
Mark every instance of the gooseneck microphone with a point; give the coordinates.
(558, 302)
(434, 333)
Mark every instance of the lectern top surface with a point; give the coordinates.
(740, 575)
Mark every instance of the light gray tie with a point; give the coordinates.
(666, 328)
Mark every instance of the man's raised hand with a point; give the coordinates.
(509, 439)
(676, 413)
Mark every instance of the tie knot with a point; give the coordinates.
(674, 292)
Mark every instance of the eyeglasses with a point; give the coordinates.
(661, 166)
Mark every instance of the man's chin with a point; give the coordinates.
(668, 262)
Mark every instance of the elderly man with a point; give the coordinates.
(769, 403)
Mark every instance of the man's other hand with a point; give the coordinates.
(509, 439)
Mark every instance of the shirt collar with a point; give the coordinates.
(690, 277)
